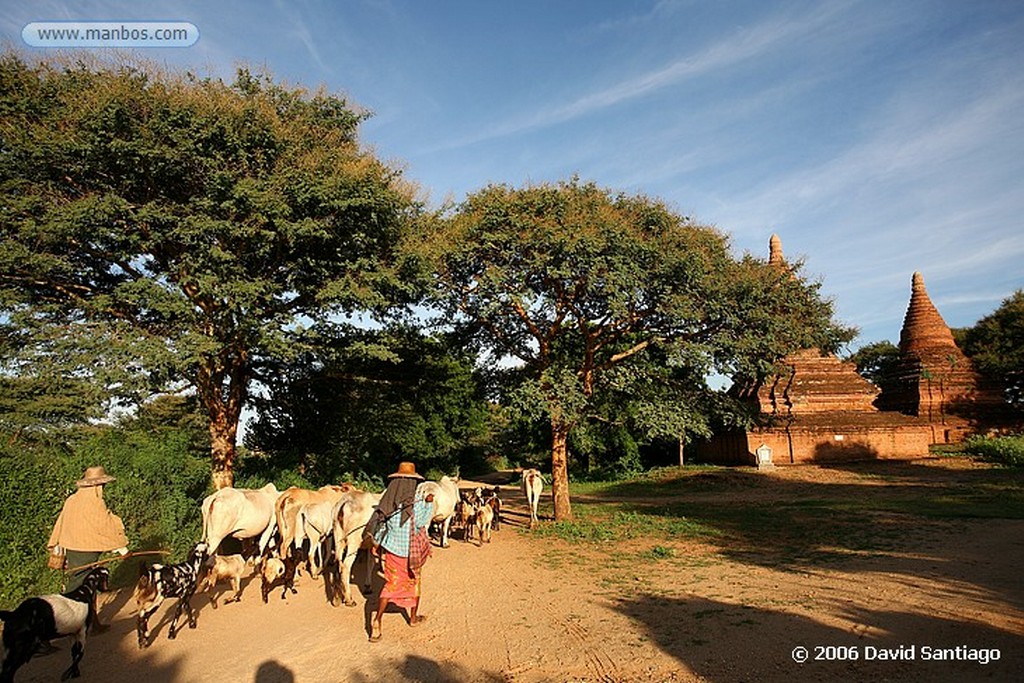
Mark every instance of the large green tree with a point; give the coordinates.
(996, 345)
(189, 225)
(581, 286)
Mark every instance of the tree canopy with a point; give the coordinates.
(361, 400)
(592, 292)
(878, 363)
(187, 225)
(996, 345)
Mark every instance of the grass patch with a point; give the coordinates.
(658, 552)
(785, 523)
(668, 481)
(609, 522)
(1003, 504)
(1006, 450)
(577, 531)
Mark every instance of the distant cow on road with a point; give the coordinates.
(533, 484)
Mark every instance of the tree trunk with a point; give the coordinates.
(560, 469)
(223, 394)
(223, 435)
(682, 443)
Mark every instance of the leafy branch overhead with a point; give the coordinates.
(209, 218)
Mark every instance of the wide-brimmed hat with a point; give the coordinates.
(405, 469)
(94, 476)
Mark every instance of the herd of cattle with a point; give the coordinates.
(322, 530)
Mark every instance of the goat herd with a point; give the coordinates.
(322, 530)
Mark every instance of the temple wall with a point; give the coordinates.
(805, 445)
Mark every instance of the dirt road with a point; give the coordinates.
(526, 609)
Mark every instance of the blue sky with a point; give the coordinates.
(877, 138)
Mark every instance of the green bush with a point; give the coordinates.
(1007, 450)
(160, 482)
(30, 496)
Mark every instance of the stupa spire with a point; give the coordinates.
(775, 257)
(923, 326)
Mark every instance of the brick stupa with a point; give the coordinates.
(935, 380)
(819, 409)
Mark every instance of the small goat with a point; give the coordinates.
(159, 582)
(40, 619)
(484, 517)
(278, 572)
(491, 498)
(463, 519)
(223, 568)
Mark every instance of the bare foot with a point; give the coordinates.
(417, 620)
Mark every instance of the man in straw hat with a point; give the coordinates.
(86, 528)
(399, 508)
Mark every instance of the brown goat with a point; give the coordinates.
(223, 568)
(276, 572)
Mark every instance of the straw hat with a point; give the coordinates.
(94, 476)
(405, 469)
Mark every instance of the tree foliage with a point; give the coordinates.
(996, 345)
(366, 399)
(161, 230)
(878, 363)
(593, 292)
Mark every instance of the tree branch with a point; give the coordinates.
(635, 349)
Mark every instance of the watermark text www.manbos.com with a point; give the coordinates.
(124, 34)
(898, 653)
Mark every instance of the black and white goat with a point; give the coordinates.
(37, 620)
(159, 582)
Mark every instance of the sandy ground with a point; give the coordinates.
(528, 609)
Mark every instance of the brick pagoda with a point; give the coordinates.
(935, 380)
(819, 409)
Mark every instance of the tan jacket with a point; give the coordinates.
(85, 524)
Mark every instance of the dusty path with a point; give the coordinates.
(525, 609)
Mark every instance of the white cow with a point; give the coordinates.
(446, 495)
(241, 514)
(315, 521)
(533, 484)
(350, 515)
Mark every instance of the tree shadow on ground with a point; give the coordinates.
(913, 519)
(721, 641)
(424, 670)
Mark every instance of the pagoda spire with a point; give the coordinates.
(775, 256)
(923, 326)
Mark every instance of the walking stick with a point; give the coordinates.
(97, 563)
